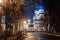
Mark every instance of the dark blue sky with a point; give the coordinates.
(30, 7)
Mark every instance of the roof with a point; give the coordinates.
(41, 6)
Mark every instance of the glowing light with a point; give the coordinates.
(25, 25)
(29, 21)
(24, 22)
(1, 1)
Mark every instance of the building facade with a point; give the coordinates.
(40, 19)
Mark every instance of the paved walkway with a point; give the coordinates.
(30, 36)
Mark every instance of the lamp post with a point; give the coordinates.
(25, 25)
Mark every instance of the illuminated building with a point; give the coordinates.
(40, 19)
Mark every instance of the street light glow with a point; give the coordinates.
(29, 21)
(24, 22)
(1, 1)
(25, 25)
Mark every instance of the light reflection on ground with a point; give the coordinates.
(30, 36)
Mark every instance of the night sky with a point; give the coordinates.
(54, 10)
(52, 6)
(29, 9)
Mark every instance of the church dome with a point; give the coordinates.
(41, 6)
